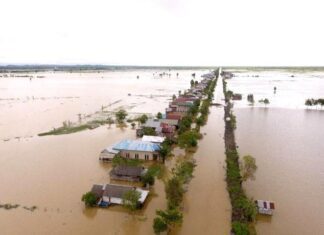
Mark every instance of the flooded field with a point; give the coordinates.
(53, 172)
(286, 140)
(30, 106)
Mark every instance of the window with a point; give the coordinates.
(127, 155)
(136, 155)
(146, 157)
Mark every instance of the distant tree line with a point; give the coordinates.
(314, 102)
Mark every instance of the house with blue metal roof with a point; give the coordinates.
(138, 149)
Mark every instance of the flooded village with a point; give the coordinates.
(161, 136)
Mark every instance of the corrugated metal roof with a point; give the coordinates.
(136, 145)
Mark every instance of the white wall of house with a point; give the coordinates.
(138, 154)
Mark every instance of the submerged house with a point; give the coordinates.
(128, 173)
(162, 127)
(265, 207)
(108, 154)
(137, 149)
(113, 194)
(175, 115)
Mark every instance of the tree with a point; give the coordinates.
(200, 121)
(133, 125)
(192, 83)
(174, 192)
(89, 199)
(167, 220)
(239, 228)
(193, 75)
(131, 199)
(142, 119)
(188, 139)
(250, 98)
(121, 115)
(196, 83)
(308, 102)
(159, 225)
(266, 101)
(165, 149)
(148, 178)
(159, 115)
(248, 167)
(149, 131)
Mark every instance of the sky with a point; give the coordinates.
(163, 32)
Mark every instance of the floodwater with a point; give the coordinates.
(286, 140)
(207, 205)
(53, 172)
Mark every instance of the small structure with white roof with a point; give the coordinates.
(265, 207)
(153, 139)
(108, 154)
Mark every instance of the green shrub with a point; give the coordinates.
(89, 199)
(239, 228)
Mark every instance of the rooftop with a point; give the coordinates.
(117, 191)
(136, 145)
(134, 171)
(97, 190)
(153, 139)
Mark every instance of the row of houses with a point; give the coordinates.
(146, 148)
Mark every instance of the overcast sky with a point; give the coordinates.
(162, 32)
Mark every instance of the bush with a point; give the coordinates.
(142, 119)
(89, 199)
(159, 225)
(184, 170)
(159, 115)
(166, 220)
(188, 139)
(174, 192)
(131, 199)
(121, 115)
(239, 228)
(148, 178)
(149, 131)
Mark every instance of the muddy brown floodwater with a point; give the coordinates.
(53, 172)
(207, 208)
(286, 138)
(289, 151)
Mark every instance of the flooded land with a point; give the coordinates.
(286, 139)
(52, 172)
(46, 176)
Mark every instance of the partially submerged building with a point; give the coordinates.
(113, 194)
(162, 127)
(128, 173)
(132, 149)
(108, 154)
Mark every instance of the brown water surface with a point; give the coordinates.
(289, 151)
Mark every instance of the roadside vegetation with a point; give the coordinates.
(244, 210)
(182, 173)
